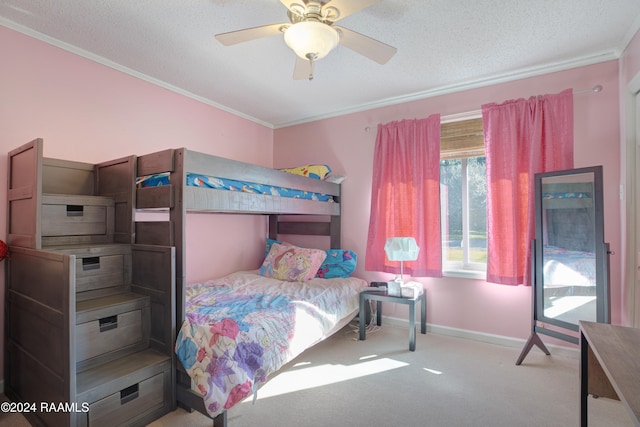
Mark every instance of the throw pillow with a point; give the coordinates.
(291, 263)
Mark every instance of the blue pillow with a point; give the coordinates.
(338, 263)
(270, 243)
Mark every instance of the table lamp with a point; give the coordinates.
(400, 249)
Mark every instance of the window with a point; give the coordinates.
(463, 192)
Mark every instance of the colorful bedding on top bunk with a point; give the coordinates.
(567, 195)
(198, 180)
(241, 328)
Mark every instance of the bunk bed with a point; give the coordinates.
(177, 177)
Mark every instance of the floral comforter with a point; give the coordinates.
(241, 328)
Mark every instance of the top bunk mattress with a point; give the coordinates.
(208, 183)
(203, 181)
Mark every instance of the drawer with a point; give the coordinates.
(100, 269)
(108, 334)
(76, 215)
(130, 402)
(98, 272)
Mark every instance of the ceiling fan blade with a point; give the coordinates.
(366, 46)
(248, 34)
(289, 4)
(347, 7)
(302, 70)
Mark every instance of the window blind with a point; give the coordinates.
(461, 139)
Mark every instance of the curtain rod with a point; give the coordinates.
(595, 89)
(454, 117)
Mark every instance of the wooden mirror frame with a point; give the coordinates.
(592, 206)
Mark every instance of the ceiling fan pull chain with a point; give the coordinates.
(311, 57)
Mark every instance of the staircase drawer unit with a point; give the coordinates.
(78, 327)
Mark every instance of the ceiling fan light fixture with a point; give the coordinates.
(311, 39)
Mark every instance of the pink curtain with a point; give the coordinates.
(522, 138)
(405, 195)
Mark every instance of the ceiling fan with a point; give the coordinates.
(311, 33)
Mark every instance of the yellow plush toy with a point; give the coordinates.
(311, 171)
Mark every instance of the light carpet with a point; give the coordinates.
(447, 381)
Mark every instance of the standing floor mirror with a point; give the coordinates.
(570, 258)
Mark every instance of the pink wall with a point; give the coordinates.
(91, 113)
(345, 144)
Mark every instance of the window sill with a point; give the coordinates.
(466, 274)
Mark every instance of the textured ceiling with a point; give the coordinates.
(443, 46)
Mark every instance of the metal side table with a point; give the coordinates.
(381, 297)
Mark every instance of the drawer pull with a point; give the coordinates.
(91, 263)
(108, 323)
(75, 210)
(128, 394)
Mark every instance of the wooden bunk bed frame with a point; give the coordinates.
(180, 199)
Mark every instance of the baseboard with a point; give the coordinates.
(573, 353)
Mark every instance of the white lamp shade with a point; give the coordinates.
(311, 37)
(401, 249)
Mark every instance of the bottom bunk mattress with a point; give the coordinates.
(243, 327)
(564, 267)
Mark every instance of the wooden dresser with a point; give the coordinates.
(90, 315)
(610, 366)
